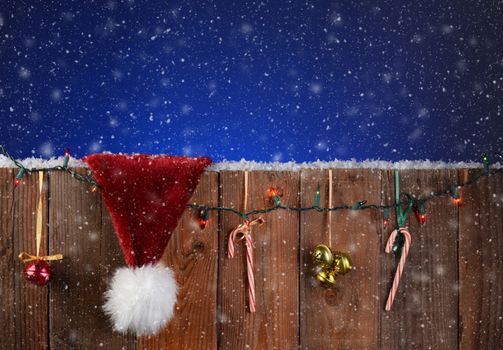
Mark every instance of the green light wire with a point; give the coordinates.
(361, 205)
(22, 169)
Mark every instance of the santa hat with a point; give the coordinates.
(145, 195)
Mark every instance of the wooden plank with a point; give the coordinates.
(193, 255)
(425, 310)
(316, 314)
(481, 264)
(31, 321)
(275, 323)
(346, 316)
(76, 231)
(111, 258)
(357, 297)
(8, 261)
(233, 319)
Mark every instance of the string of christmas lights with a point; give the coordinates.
(64, 167)
(418, 204)
(274, 194)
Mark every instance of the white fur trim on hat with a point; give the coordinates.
(141, 299)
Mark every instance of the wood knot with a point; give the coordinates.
(331, 297)
(197, 246)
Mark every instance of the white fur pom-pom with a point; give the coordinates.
(141, 299)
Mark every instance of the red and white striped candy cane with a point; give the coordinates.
(401, 264)
(245, 230)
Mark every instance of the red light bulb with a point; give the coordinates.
(422, 219)
(202, 223)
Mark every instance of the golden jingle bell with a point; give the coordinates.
(326, 278)
(342, 263)
(322, 255)
(332, 264)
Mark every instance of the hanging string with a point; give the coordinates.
(246, 192)
(25, 257)
(330, 183)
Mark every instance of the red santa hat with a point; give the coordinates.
(145, 195)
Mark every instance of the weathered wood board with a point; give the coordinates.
(31, 320)
(276, 256)
(425, 311)
(331, 318)
(77, 230)
(481, 264)
(192, 253)
(8, 310)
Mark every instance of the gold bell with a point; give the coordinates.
(326, 278)
(330, 264)
(342, 263)
(322, 255)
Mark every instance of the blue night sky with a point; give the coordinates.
(261, 80)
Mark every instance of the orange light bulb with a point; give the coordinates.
(272, 192)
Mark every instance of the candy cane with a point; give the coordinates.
(249, 271)
(401, 264)
(245, 230)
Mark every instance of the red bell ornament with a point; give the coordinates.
(38, 272)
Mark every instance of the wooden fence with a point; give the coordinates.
(451, 295)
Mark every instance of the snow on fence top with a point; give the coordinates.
(276, 166)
